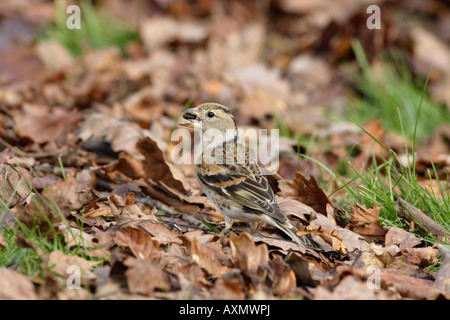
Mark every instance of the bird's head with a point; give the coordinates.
(210, 115)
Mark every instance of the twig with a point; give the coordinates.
(170, 210)
(424, 222)
(31, 154)
(158, 205)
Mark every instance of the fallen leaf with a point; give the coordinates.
(208, 256)
(284, 244)
(246, 255)
(391, 284)
(329, 235)
(159, 31)
(238, 51)
(374, 255)
(157, 169)
(54, 205)
(402, 238)
(411, 287)
(230, 286)
(364, 221)
(421, 256)
(320, 13)
(198, 277)
(127, 213)
(53, 54)
(19, 63)
(306, 191)
(201, 236)
(307, 66)
(282, 277)
(351, 288)
(153, 167)
(99, 210)
(140, 243)
(122, 135)
(144, 277)
(300, 266)
(143, 107)
(292, 207)
(62, 264)
(15, 184)
(15, 286)
(73, 237)
(46, 127)
(426, 42)
(351, 240)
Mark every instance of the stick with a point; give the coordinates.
(424, 222)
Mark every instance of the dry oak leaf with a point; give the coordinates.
(123, 135)
(47, 127)
(351, 288)
(144, 276)
(329, 235)
(306, 191)
(59, 199)
(300, 266)
(364, 221)
(15, 286)
(157, 168)
(403, 285)
(61, 263)
(382, 257)
(350, 239)
(96, 210)
(411, 287)
(73, 237)
(402, 238)
(292, 207)
(229, 288)
(15, 184)
(127, 213)
(140, 243)
(421, 256)
(209, 256)
(153, 167)
(246, 255)
(192, 272)
(283, 278)
(285, 245)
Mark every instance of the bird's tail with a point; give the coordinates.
(305, 241)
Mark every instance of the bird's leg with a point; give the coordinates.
(253, 226)
(228, 225)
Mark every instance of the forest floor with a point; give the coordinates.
(94, 207)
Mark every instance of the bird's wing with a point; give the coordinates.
(239, 184)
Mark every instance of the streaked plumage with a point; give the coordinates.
(236, 184)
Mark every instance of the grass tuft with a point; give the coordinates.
(27, 245)
(98, 30)
(382, 183)
(388, 86)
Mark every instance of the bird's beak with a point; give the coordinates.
(193, 118)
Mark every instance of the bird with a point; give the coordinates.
(231, 179)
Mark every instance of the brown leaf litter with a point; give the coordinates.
(95, 131)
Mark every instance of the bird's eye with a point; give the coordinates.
(210, 114)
